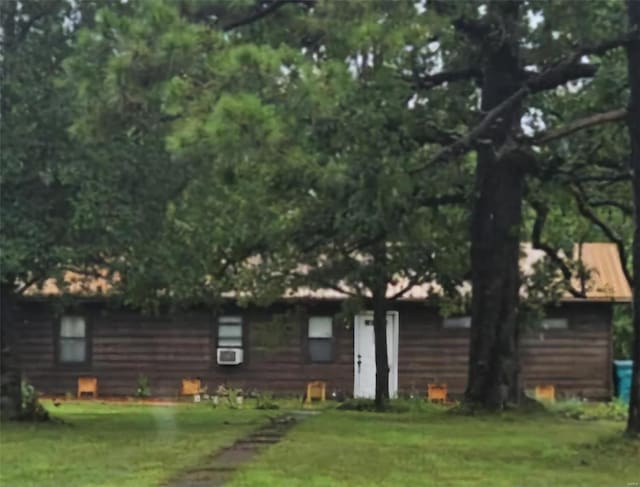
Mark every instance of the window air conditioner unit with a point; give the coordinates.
(229, 356)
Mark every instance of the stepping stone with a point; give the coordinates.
(221, 466)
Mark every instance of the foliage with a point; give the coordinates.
(143, 389)
(31, 408)
(577, 409)
(230, 396)
(275, 178)
(37, 157)
(291, 152)
(622, 331)
(265, 400)
(234, 397)
(416, 405)
(269, 336)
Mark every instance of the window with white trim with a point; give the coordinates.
(320, 336)
(230, 332)
(72, 340)
(457, 322)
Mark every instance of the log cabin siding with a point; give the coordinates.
(125, 344)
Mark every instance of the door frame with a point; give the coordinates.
(393, 357)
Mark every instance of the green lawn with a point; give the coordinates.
(134, 445)
(117, 445)
(438, 448)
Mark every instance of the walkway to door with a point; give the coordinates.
(219, 468)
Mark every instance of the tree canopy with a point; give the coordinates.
(196, 148)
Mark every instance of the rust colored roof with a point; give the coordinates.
(606, 281)
(77, 284)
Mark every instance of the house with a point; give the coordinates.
(306, 336)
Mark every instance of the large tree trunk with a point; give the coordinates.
(10, 377)
(633, 56)
(495, 225)
(380, 339)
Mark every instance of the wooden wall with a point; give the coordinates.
(166, 349)
(576, 360)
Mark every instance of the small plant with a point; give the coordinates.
(31, 409)
(143, 389)
(266, 400)
(235, 397)
(585, 411)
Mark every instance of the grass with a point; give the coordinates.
(141, 445)
(117, 445)
(434, 447)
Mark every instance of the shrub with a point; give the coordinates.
(143, 389)
(232, 397)
(357, 405)
(393, 406)
(582, 410)
(31, 409)
(266, 400)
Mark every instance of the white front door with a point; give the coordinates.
(364, 355)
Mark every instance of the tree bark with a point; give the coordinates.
(380, 339)
(633, 58)
(495, 225)
(10, 376)
(377, 284)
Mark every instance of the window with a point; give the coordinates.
(230, 332)
(320, 339)
(555, 324)
(457, 322)
(72, 340)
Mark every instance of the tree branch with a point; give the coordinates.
(28, 25)
(26, 285)
(464, 143)
(261, 9)
(446, 199)
(571, 68)
(562, 72)
(412, 282)
(608, 45)
(559, 74)
(589, 214)
(536, 240)
(472, 28)
(626, 209)
(428, 81)
(580, 124)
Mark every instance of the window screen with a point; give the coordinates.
(229, 332)
(73, 339)
(321, 339)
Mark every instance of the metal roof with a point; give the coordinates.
(606, 281)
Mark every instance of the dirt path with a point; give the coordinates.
(217, 469)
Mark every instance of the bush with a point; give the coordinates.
(582, 410)
(230, 396)
(357, 405)
(266, 400)
(393, 406)
(31, 409)
(143, 389)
